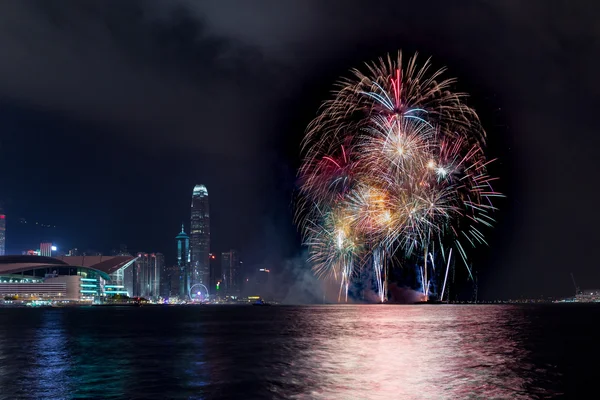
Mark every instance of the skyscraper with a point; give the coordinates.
(146, 275)
(2, 233)
(157, 263)
(230, 268)
(183, 262)
(216, 277)
(140, 275)
(46, 249)
(200, 238)
(169, 281)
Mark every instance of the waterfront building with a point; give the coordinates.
(157, 265)
(231, 270)
(146, 275)
(216, 277)
(66, 278)
(141, 278)
(199, 237)
(183, 263)
(169, 281)
(588, 296)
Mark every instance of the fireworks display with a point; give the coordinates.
(394, 174)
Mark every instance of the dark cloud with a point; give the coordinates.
(228, 85)
(151, 67)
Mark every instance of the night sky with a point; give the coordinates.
(111, 111)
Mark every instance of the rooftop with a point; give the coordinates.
(104, 264)
(200, 190)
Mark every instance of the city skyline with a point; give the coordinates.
(151, 276)
(271, 199)
(226, 105)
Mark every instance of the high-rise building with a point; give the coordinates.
(216, 277)
(169, 281)
(157, 265)
(200, 238)
(225, 270)
(146, 275)
(140, 275)
(128, 280)
(2, 234)
(231, 270)
(46, 249)
(183, 262)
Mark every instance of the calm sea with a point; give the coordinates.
(311, 352)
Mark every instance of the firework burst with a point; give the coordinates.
(393, 164)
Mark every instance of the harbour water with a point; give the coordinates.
(307, 352)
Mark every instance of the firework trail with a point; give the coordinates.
(393, 164)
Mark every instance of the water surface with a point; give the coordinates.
(311, 352)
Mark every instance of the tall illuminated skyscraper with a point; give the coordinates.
(200, 238)
(183, 262)
(2, 233)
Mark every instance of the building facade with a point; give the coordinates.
(216, 277)
(183, 264)
(169, 281)
(78, 279)
(2, 234)
(199, 237)
(46, 249)
(157, 265)
(231, 270)
(146, 275)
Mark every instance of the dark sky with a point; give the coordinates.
(111, 111)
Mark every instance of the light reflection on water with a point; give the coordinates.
(373, 352)
(319, 352)
(48, 370)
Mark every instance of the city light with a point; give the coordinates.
(53, 248)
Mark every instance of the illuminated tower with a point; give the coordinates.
(2, 234)
(200, 238)
(183, 262)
